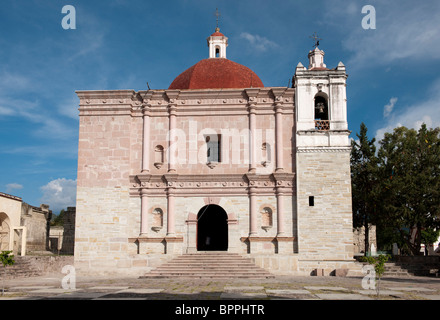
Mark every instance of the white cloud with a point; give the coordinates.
(389, 107)
(5, 111)
(13, 186)
(69, 107)
(257, 42)
(414, 116)
(13, 81)
(59, 194)
(50, 125)
(406, 31)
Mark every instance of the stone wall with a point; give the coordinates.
(101, 236)
(37, 223)
(18, 217)
(324, 221)
(359, 239)
(62, 238)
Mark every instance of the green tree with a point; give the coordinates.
(364, 181)
(379, 267)
(429, 236)
(409, 165)
(58, 220)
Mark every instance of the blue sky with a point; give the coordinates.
(393, 69)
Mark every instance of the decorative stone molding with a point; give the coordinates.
(323, 149)
(142, 239)
(267, 212)
(232, 219)
(318, 132)
(157, 213)
(158, 165)
(212, 200)
(265, 163)
(192, 219)
(214, 185)
(268, 239)
(130, 102)
(212, 165)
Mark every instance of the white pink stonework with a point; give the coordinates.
(263, 172)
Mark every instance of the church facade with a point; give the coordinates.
(217, 162)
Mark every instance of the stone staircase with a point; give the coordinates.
(209, 265)
(23, 267)
(413, 266)
(394, 270)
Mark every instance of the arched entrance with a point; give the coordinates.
(212, 229)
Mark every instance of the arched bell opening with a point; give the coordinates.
(322, 112)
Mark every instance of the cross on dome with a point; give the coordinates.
(217, 42)
(315, 39)
(217, 14)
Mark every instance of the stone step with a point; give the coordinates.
(209, 265)
(207, 268)
(207, 274)
(202, 276)
(401, 269)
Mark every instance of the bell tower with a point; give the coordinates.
(217, 42)
(322, 161)
(321, 103)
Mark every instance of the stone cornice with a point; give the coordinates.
(323, 149)
(324, 132)
(9, 196)
(196, 185)
(105, 94)
(313, 74)
(268, 239)
(186, 102)
(145, 239)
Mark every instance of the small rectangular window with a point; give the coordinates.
(311, 201)
(213, 145)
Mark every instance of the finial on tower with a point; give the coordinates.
(315, 40)
(217, 42)
(217, 15)
(316, 56)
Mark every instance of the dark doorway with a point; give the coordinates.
(212, 229)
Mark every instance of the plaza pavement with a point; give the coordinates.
(219, 299)
(51, 287)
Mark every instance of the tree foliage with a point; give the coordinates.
(364, 181)
(6, 258)
(410, 171)
(379, 267)
(399, 188)
(58, 220)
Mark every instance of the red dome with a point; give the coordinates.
(216, 73)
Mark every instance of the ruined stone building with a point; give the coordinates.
(217, 162)
(62, 238)
(23, 228)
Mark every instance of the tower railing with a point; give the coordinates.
(322, 125)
